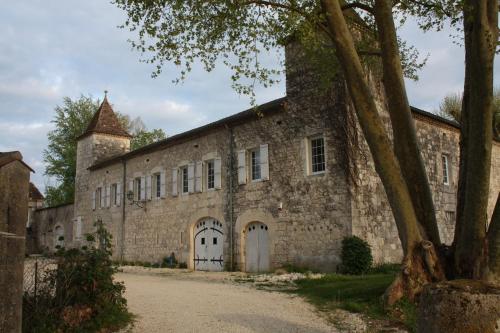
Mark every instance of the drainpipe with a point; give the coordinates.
(231, 196)
(124, 201)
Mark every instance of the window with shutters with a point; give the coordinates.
(114, 197)
(185, 179)
(210, 175)
(137, 188)
(157, 185)
(446, 170)
(255, 164)
(317, 154)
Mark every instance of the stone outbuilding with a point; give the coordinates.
(14, 189)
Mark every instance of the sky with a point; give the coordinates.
(57, 48)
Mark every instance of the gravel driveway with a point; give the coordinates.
(209, 302)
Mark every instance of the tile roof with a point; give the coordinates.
(10, 156)
(105, 121)
(35, 193)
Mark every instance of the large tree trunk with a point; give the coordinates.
(386, 164)
(481, 34)
(492, 271)
(403, 125)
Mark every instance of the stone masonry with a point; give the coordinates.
(306, 214)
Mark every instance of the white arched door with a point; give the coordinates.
(208, 245)
(257, 247)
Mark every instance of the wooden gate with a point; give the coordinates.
(257, 247)
(208, 245)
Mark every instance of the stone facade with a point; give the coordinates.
(305, 214)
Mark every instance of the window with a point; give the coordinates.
(210, 175)
(138, 189)
(114, 197)
(449, 217)
(215, 241)
(157, 185)
(255, 164)
(185, 179)
(317, 148)
(98, 197)
(446, 174)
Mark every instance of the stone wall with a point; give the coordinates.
(51, 223)
(373, 218)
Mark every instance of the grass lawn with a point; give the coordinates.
(360, 294)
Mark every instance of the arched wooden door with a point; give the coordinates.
(208, 245)
(257, 247)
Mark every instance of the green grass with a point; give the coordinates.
(360, 294)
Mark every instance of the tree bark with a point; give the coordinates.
(492, 272)
(403, 126)
(419, 255)
(481, 34)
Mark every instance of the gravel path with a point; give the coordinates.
(198, 302)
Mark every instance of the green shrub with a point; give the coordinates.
(183, 265)
(147, 264)
(356, 256)
(291, 268)
(155, 265)
(80, 294)
(170, 261)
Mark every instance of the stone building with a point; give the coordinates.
(256, 190)
(14, 184)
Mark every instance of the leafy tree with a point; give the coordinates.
(144, 138)
(71, 119)
(451, 107)
(346, 35)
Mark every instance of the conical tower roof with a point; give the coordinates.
(105, 121)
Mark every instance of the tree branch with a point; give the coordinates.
(358, 5)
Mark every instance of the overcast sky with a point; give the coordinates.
(51, 49)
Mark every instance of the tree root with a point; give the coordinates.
(421, 266)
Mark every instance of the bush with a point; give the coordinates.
(80, 295)
(356, 256)
(170, 261)
(183, 265)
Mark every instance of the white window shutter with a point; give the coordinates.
(143, 188)
(102, 197)
(93, 200)
(217, 172)
(162, 184)
(118, 194)
(174, 181)
(191, 177)
(242, 171)
(108, 196)
(149, 191)
(264, 162)
(199, 172)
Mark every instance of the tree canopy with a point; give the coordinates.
(70, 120)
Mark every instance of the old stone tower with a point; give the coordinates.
(103, 139)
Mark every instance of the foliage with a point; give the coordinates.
(237, 34)
(361, 294)
(80, 295)
(356, 256)
(451, 108)
(144, 138)
(70, 121)
(291, 268)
